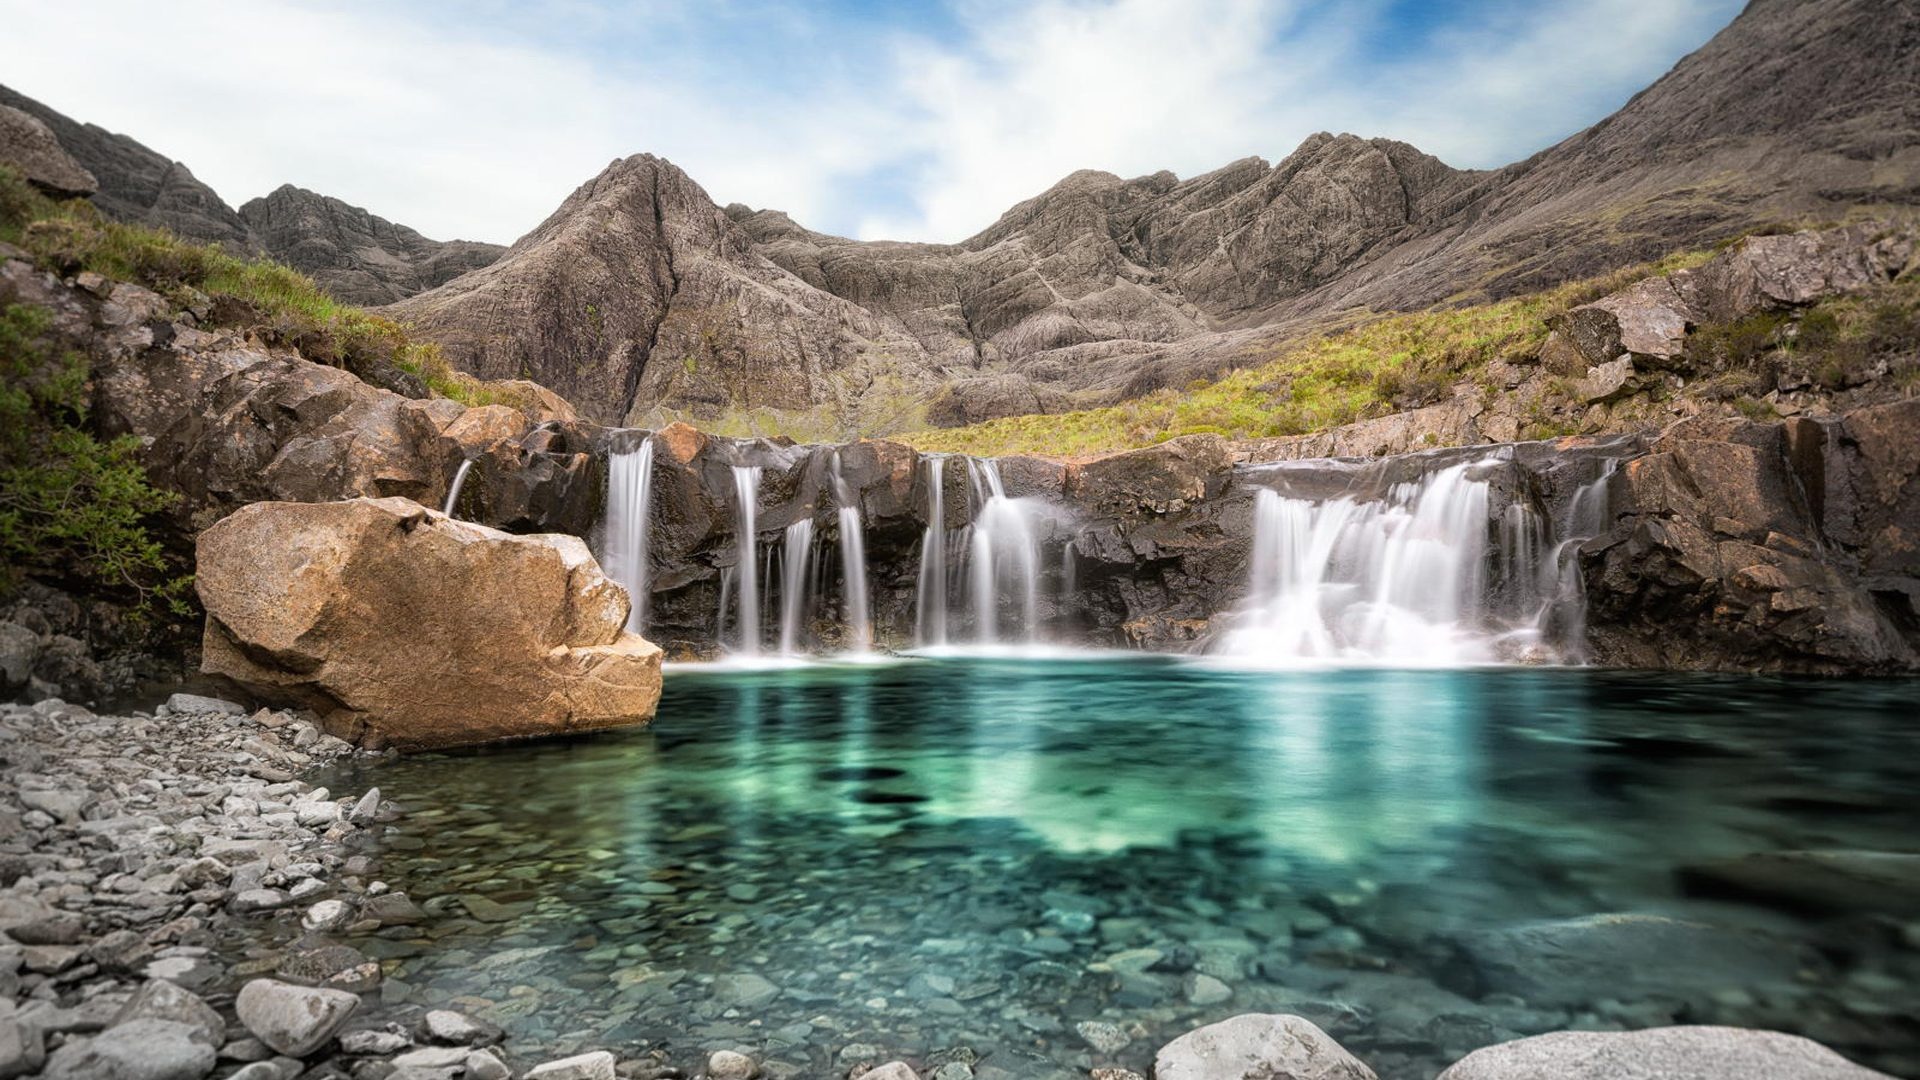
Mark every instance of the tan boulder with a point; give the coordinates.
(402, 627)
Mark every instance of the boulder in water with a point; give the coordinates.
(404, 628)
(1258, 1047)
(1699, 1053)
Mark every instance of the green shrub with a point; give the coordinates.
(72, 506)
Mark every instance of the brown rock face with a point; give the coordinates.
(404, 628)
(361, 258)
(28, 146)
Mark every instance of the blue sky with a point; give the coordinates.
(916, 121)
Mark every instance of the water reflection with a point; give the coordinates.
(1309, 840)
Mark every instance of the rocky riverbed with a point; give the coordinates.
(181, 901)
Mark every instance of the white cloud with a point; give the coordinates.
(479, 129)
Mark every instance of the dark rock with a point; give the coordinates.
(1819, 881)
(356, 256)
(29, 147)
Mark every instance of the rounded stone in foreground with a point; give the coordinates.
(1670, 1053)
(295, 1020)
(1258, 1046)
(597, 1065)
(143, 1049)
(729, 1065)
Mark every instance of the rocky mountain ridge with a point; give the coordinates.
(357, 256)
(1102, 288)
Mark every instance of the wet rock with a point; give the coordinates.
(446, 1026)
(373, 1043)
(1258, 1046)
(1103, 1037)
(486, 1065)
(1564, 961)
(1698, 1053)
(197, 703)
(1823, 881)
(273, 577)
(158, 999)
(892, 1070)
(294, 1020)
(744, 990)
(144, 1049)
(597, 1065)
(327, 916)
(728, 1065)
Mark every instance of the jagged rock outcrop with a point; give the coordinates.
(357, 256)
(1789, 546)
(1102, 288)
(29, 147)
(639, 292)
(138, 185)
(402, 627)
(225, 420)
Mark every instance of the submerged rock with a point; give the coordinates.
(1258, 1046)
(1828, 881)
(404, 628)
(1696, 1053)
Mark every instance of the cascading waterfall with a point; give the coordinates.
(1408, 579)
(453, 491)
(746, 493)
(853, 565)
(1003, 556)
(1394, 580)
(930, 596)
(796, 560)
(629, 504)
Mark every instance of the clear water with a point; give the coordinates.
(963, 859)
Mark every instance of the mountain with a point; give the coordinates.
(640, 298)
(358, 257)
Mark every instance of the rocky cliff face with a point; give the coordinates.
(361, 258)
(358, 257)
(1102, 288)
(639, 292)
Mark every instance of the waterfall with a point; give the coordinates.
(453, 492)
(853, 565)
(1396, 580)
(930, 595)
(746, 493)
(1409, 578)
(795, 561)
(629, 504)
(1003, 555)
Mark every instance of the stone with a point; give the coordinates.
(294, 1020)
(524, 633)
(1563, 961)
(1696, 1053)
(249, 901)
(1204, 989)
(327, 916)
(1610, 381)
(1257, 1046)
(356, 256)
(744, 990)
(486, 1065)
(22, 1050)
(200, 704)
(373, 1043)
(596, 1065)
(728, 1065)
(366, 809)
(143, 1049)
(432, 1057)
(1869, 882)
(1102, 1036)
(447, 1026)
(892, 1070)
(19, 652)
(29, 147)
(158, 999)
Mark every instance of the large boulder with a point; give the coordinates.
(30, 148)
(1672, 1053)
(402, 627)
(1258, 1046)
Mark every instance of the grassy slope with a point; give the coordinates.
(1371, 369)
(281, 304)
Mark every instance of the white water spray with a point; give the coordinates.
(930, 597)
(746, 493)
(629, 506)
(796, 562)
(1003, 556)
(453, 492)
(853, 565)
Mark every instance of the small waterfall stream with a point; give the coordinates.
(1003, 557)
(629, 508)
(930, 596)
(853, 565)
(746, 493)
(796, 562)
(453, 490)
